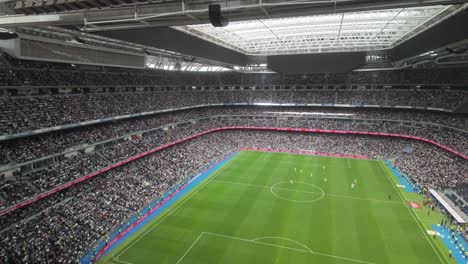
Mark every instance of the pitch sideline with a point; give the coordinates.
(411, 212)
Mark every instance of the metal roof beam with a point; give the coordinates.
(171, 13)
(361, 30)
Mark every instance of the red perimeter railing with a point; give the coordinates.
(120, 163)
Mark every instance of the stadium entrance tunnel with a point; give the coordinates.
(299, 192)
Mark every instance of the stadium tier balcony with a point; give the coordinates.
(35, 112)
(33, 147)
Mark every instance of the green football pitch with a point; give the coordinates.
(263, 207)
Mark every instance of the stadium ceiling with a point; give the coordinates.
(71, 44)
(171, 64)
(258, 29)
(99, 15)
(355, 31)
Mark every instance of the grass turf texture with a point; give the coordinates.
(260, 208)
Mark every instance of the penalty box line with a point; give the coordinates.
(326, 194)
(255, 241)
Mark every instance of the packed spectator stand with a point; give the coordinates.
(62, 227)
(89, 213)
(40, 111)
(29, 148)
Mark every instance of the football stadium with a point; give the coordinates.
(221, 131)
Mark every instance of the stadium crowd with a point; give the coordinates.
(62, 233)
(30, 183)
(29, 148)
(62, 227)
(60, 172)
(23, 113)
(123, 92)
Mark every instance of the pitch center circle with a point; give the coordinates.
(311, 192)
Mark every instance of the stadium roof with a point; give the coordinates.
(356, 31)
(174, 34)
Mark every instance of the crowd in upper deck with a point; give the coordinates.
(33, 112)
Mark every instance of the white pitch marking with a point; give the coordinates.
(265, 186)
(121, 261)
(290, 248)
(191, 246)
(411, 212)
(322, 193)
(326, 194)
(287, 239)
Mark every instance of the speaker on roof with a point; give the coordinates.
(8, 35)
(456, 51)
(79, 40)
(190, 59)
(216, 19)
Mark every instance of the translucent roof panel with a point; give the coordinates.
(169, 64)
(359, 31)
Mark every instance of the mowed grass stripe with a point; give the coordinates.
(416, 220)
(355, 229)
(130, 243)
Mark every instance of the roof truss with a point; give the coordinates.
(357, 31)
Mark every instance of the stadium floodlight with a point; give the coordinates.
(6, 34)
